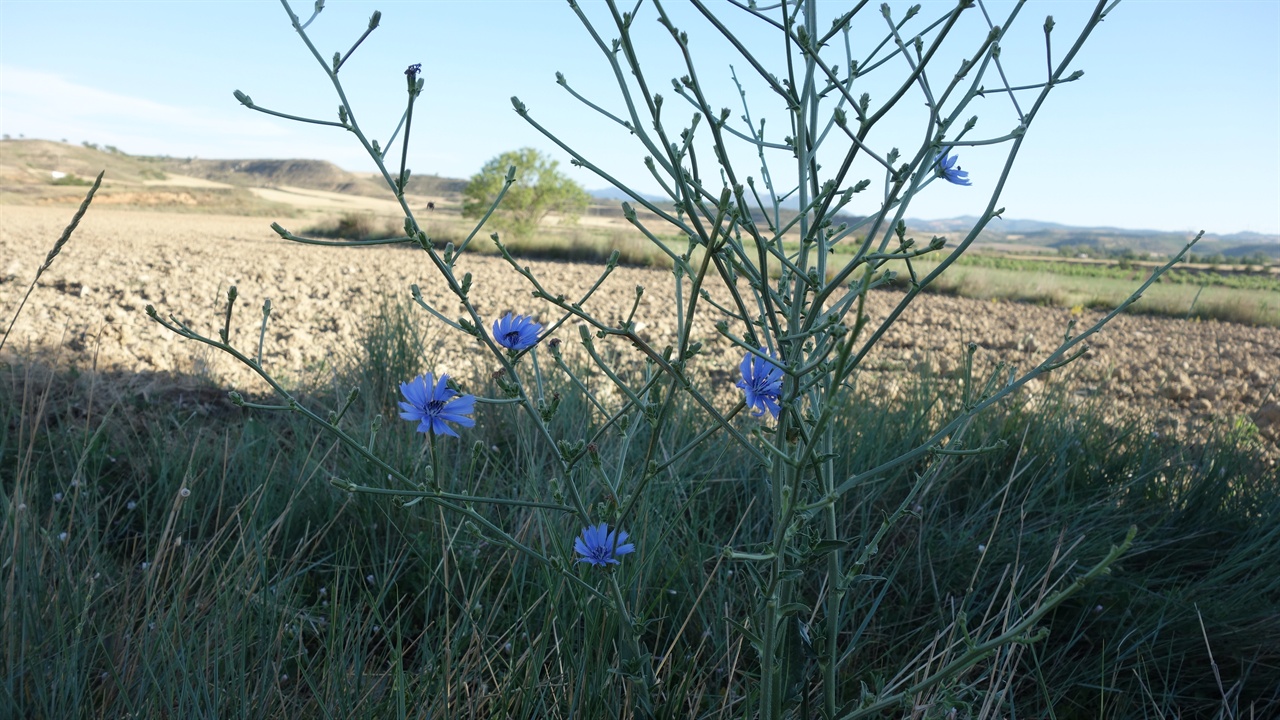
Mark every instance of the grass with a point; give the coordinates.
(1246, 298)
(1130, 271)
(169, 554)
(355, 226)
(568, 243)
(1242, 305)
(71, 179)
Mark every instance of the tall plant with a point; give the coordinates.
(778, 267)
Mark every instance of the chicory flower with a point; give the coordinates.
(433, 405)
(598, 546)
(516, 332)
(762, 384)
(948, 169)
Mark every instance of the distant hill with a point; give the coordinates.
(612, 193)
(1055, 236)
(435, 185)
(39, 162)
(310, 174)
(39, 168)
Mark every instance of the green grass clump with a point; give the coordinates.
(355, 226)
(1128, 271)
(583, 245)
(169, 554)
(71, 179)
(1043, 283)
(569, 243)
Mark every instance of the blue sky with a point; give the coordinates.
(1175, 125)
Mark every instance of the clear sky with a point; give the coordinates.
(1175, 125)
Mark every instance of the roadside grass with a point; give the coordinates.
(1246, 298)
(578, 243)
(570, 243)
(355, 226)
(1210, 301)
(1250, 299)
(169, 554)
(1256, 278)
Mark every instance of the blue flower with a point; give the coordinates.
(947, 169)
(598, 546)
(762, 384)
(516, 332)
(433, 406)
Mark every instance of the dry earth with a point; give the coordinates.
(89, 308)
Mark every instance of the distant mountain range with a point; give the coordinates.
(965, 222)
(1038, 235)
(1056, 236)
(612, 193)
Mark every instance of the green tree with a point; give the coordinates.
(539, 189)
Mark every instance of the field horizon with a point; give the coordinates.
(31, 168)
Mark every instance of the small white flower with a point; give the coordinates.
(57, 497)
(22, 506)
(982, 548)
(145, 564)
(368, 579)
(62, 536)
(130, 505)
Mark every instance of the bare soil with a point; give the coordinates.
(89, 308)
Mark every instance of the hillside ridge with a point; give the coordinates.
(29, 167)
